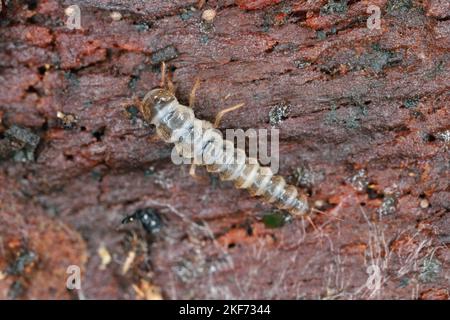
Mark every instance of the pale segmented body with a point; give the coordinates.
(197, 140)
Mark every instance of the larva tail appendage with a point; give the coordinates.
(198, 140)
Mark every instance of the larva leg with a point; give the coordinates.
(193, 174)
(170, 85)
(192, 170)
(192, 95)
(220, 115)
(162, 83)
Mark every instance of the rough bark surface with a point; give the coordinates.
(367, 135)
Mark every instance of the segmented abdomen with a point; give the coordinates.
(197, 140)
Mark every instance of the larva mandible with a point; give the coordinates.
(196, 139)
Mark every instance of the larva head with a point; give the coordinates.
(154, 101)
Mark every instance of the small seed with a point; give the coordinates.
(424, 203)
(209, 15)
(116, 16)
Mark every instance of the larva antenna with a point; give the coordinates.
(165, 77)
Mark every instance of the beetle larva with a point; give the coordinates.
(198, 140)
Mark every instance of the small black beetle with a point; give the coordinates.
(149, 218)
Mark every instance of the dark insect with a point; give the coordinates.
(149, 218)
